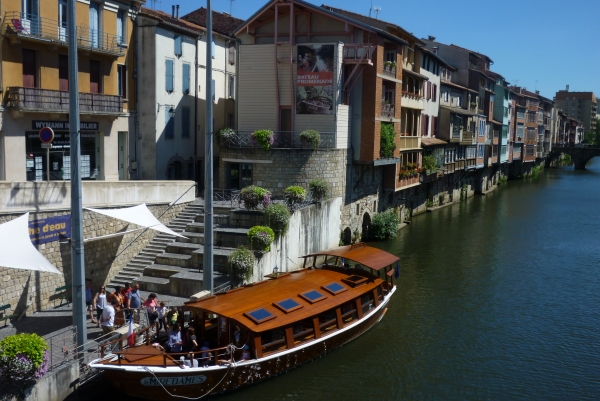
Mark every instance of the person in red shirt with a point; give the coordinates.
(125, 291)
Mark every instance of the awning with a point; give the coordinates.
(139, 215)
(16, 249)
(368, 256)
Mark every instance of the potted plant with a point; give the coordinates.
(277, 216)
(318, 189)
(240, 264)
(294, 195)
(473, 105)
(253, 196)
(23, 357)
(311, 137)
(227, 135)
(264, 138)
(261, 238)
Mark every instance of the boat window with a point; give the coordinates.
(259, 315)
(349, 312)
(367, 302)
(303, 331)
(313, 296)
(335, 288)
(287, 305)
(327, 321)
(273, 340)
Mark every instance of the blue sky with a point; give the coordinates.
(543, 44)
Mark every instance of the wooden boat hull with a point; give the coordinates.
(137, 382)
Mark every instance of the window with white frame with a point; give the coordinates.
(471, 152)
(480, 151)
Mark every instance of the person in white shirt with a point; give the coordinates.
(108, 317)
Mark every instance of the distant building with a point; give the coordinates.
(578, 105)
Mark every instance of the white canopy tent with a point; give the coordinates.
(16, 249)
(139, 215)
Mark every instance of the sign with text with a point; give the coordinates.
(63, 125)
(50, 229)
(314, 84)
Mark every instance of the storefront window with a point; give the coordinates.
(60, 159)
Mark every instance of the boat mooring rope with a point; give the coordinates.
(232, 348)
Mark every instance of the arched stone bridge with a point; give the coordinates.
(579, 154)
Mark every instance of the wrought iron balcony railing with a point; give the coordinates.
(387, 110)
(46, 100)
(34, 27)
(281, 140)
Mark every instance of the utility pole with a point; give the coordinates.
(207, 279)
(77, 259)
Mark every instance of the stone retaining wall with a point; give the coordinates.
(277, 169)
(21, 287)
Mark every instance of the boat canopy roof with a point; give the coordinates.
(368, 256)
(289, 298)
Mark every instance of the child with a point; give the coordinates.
(162, 318)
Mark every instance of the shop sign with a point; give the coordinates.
(63, 125)
(314, 83)
(51, 229)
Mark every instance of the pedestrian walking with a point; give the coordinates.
(100, 302)
(89, 298)
(108, 317)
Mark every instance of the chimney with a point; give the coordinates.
(431, 38)
(173, 11)
(177, 12)
(435, 49)
(567, 88)
(537, 92)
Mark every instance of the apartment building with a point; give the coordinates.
(502, 115)
(581, 106)
(35, 83)
(527, 105)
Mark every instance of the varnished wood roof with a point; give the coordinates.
(373, 258)
(235, 303)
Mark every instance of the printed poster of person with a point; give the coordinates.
(314, 86)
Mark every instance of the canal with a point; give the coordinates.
(498, 298)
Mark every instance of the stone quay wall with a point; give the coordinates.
(277, 169)
(22, 287)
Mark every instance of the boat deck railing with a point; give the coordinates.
(216, 356)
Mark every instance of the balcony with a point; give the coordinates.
(358, 53)
(20, 26)
(409, 142)
(467, 138)
(281, 140)
(37, 100)
(387, 111)
(412, 100)
(389, 69)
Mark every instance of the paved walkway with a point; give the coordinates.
(57, 318)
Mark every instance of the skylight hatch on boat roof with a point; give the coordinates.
(287, 305)
(259, 316)
(312, 296)
(334, 288)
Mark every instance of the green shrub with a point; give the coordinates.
(261, 238)
(384, 225)
(294, 195)
(387, 146)
(318, 189)
(264, 138)
(277, 217)
(240, 264)
(253, 196)
(535, 171)
(429, 163)
(502, 180)
(23, 356)
(311, 137)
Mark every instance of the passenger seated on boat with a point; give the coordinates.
(174, 342)
(206, 357)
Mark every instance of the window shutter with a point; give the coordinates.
(185, 122)
(423, 119)
(185, 86)
(178, 46)
(434, 92)
(169, 124)
(169, 75)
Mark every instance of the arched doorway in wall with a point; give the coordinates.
(347, 236)
(365, 226)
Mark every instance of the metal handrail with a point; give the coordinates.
(47, 29)
(53, 100)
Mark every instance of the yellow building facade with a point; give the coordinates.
(35, 81)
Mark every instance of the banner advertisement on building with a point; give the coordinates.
(50, 229)
(314, 85)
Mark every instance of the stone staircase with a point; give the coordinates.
(173, 265)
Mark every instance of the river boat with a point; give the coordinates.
(264, 329)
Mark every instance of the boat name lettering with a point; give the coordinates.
(173, 381)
